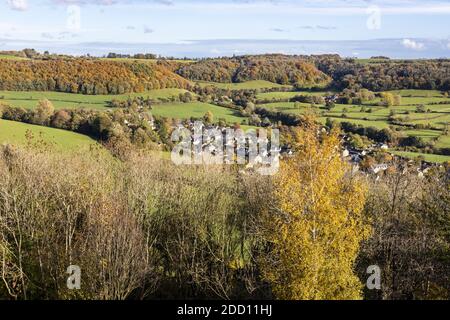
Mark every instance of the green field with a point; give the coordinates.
(15, 133)
(255, 84)
(443, 142)
(427, 157)
(364, 123)
(99, 102)
(288, 107)
(288, 94)
(9, 57)
(424, 134)
(376, 116)
(419, 93)
(63, 100)
(196, 110)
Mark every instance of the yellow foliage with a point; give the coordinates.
(317, 229)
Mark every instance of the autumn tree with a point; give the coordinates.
(208, 117)
(388, 99)
(397, 100)
(61, 119)
(43, 112)
(315, 232)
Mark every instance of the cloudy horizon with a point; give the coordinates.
(200, 28)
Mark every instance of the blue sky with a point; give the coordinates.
(410, 28)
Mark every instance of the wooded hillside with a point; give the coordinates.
(386, 75)
(86, 76)
(274, 68)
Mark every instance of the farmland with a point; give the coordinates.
(10, 57)
(431, 121)
(139, 214)
(287, 95)
(196, 110)
(63, 100)
(16, 133)
(427, 157)
(419, 113)
(255, 84)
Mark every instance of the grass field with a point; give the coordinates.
(377, 116)
(427, 157)
(256, 84)
(98, 102)
(15, 133)
(288, 94)
(196, 110)
(9, 57)
(443, 142)
(364, 123)
(419, 93)
(63, 100)
(288, 107)
(424, 134)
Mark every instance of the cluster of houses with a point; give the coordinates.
(353, 155)
(356, 156)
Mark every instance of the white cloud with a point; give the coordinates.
(448, 45)
(307, 7)
(83, 2)
(148, 29)
(411, 44)
(20, 5)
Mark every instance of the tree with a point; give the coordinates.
(61, 119)
(420, 108)
(356, 141)
(208, 117)
(397, 100)
(316, 231)
(43, 112)
(388, 99)
(329, 105)
(102, 126)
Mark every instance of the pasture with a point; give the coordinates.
(288, 94)
(289, 107)
(437, 115)
(428, 157)
(62, 100)
(196, 110)
(10, 57)
(16, 133)
(248, 85)
(443, 141)
(426, 135)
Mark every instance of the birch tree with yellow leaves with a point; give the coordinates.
(316, 230)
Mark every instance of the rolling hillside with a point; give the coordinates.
(87, 76)
(62, 100)
(16, 133)
(281, 69)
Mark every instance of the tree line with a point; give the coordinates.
(119, 129)
(386, 75)
(86, 76)
(285, 70)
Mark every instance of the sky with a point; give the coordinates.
(203, 28)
